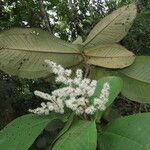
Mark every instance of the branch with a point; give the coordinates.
(86, 66)
(45, 16)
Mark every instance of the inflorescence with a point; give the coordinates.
(75, 95)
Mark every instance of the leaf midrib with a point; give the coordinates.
(57, 41)
(68, 135)
(38, 51)
(109, 56)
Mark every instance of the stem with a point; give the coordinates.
(86, 66)
(85, 116)
(87, 69)
(45, 16)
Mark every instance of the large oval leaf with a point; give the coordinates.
(137, 80)
(23, 51)
(136, 90)
(139, 70)
(113, 27)
(21, 133)
(128, 133)
(109, 56)
(65, 129)
(81, 136)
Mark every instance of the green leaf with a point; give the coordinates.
(109, 56)
(21, 133)
(137, 80)
(23, 51)
(116, 85)
(65, 129)
(136, 90)
(113, 28)
(78, 41)
(139, 70)
(126, 133)
(82, 135)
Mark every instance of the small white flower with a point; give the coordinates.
(68, 72)
(79, 111)
(81, 101)
(50, 106)
(79, 73)
(43, 95)
(77, 81)
(106, 86)
(46, 111)
(90, 110)
(93, 83)
(43, 105)
(100, 103)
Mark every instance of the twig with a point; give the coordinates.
(45, 16)
(87, 69)
(86, 66)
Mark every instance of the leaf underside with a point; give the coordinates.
(113, 28)
(109, 56)
(23, 51)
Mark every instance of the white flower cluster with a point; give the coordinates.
(74, 95)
